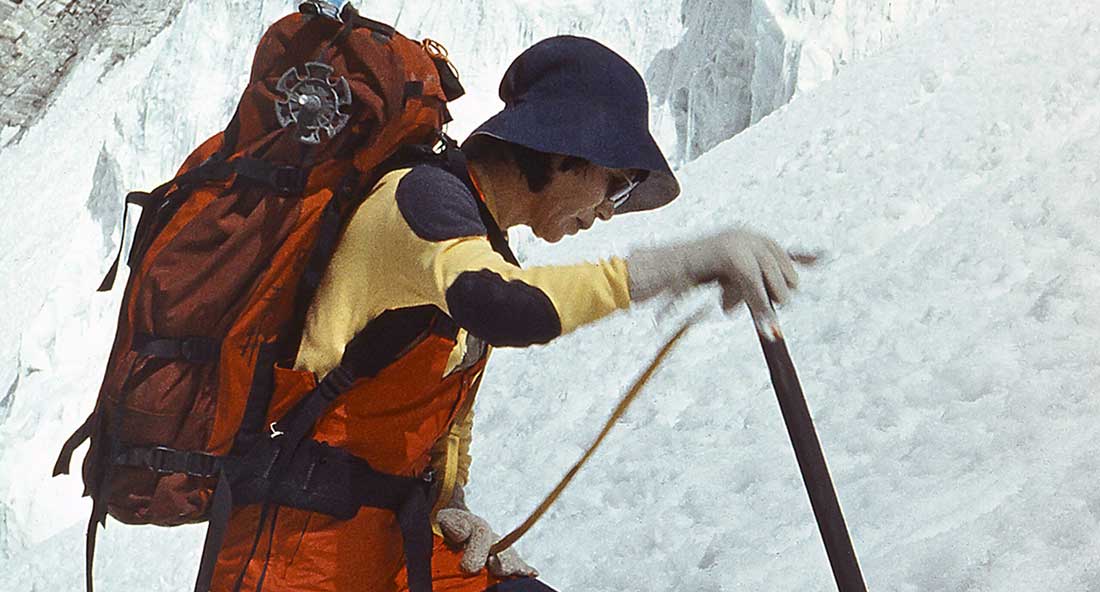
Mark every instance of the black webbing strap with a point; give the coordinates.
(211, 169)
(286, 180)
(270, 545)
(302, 417)
(65, 459)
(412, 90)
(350, 14)
(254, 420)
(139, 198)
(299, 421)
(416, 533)
(328, 235)
(265, 509)
(162, 459)
(342, 34)
(200, 350)
(220, 508)
(99, 516)
(386, 338)
(454, 162)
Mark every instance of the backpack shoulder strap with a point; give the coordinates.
(452, 160)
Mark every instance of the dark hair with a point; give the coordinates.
(535, 166)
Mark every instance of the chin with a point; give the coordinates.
(550, 238)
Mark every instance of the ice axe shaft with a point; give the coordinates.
(811, 461)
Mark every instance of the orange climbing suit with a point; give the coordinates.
(402, 248)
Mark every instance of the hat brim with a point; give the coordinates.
(560, 129)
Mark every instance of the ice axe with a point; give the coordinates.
(800, 427)
(811, 460)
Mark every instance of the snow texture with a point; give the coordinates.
(740, 60)
(946, 342)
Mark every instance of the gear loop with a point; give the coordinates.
(313, 102)
(437, 51)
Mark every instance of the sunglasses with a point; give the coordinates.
(621, 186)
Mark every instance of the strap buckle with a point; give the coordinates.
(195, 349)
(166, 461)
(288, 179)
(158, 459)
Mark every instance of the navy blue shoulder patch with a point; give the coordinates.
(437, 206)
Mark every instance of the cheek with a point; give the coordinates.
(584, 199)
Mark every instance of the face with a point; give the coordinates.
(573, 201)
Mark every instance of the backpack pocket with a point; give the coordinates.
(155, 435)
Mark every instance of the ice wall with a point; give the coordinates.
(739, 60)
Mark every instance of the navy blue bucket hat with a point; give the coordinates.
(574, 96)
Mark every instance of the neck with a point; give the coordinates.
(504, 191)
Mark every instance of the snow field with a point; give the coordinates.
(945, 343)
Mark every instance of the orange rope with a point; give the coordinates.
(631, 395)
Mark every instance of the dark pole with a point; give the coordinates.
(811, 461)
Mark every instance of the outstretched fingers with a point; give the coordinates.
(786, 263)
(775, 281)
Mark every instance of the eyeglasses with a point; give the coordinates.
(620, 188)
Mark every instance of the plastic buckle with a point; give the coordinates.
(198, 464)
(197, 349)
(189, 349)
(288, 179)
(158, 459)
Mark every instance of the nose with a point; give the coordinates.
(605, 210)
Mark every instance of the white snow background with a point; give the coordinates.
(946, 343)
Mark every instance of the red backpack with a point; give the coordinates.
(224, 263)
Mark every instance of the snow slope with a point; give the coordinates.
(946, 343)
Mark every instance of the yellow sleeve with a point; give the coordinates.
(446, 259)
(418, 240)
(580, 293)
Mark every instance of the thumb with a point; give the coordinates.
(731, 295)
(455, 526)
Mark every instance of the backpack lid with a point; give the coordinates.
(318, 83)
